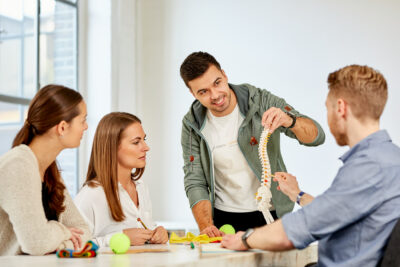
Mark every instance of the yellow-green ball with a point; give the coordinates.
(120, 243)
(227, 229)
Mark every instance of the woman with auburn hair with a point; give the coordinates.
(114, 199)
(37, 215)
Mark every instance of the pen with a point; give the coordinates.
(145, 227)
(139, 220)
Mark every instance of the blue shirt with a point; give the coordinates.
(355, 216)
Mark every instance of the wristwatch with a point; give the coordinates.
(293, 116)
(245, 236)
(298, 198)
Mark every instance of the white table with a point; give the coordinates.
(179, 255)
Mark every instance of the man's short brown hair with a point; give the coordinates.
(364, 88)
(196, 64)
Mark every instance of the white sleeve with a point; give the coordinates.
(84, 205)
(104, 241)
(85, 201)
(71, 217)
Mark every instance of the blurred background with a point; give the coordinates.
(124, 55)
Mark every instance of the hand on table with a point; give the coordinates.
(138, 236)
(211, 231)
(274, 118)
(233, 241)
(76, 237)
(287, 184)
(160, 236)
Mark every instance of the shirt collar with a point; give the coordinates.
(376, 137)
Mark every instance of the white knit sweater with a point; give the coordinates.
(24, 227)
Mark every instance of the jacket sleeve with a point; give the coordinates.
(72, 218)
(21, 199)
(196, 186)
(269, 100)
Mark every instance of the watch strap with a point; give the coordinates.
(245, 236)
(298, 198)
(290, 114)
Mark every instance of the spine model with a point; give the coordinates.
(263, 195)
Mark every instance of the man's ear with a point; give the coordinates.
(342, 108)
(61, 127)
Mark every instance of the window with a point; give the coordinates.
(38, 46)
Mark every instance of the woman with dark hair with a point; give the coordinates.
(37, 215)
(114, 199)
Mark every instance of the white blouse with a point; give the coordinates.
(92, 203)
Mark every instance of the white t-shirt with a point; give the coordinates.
(93, 205)
(235, 182)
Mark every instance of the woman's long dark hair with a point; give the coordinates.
(51, 105)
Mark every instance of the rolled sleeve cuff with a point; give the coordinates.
(197, 195)
(295, 228)
(320, 138)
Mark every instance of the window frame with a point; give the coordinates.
(23, 101)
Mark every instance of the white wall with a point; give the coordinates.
(94, 69)
(288, 47)
(107, 33)
(131, 51)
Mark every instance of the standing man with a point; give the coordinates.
(353, 219)
(220, 145)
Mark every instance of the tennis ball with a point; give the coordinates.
(120, 243)
(227, 229)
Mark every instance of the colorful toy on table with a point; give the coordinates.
(120, 243)
(88, 251)
(227, 229)
(190, 237)
(263, 195)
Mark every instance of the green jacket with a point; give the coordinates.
(198, 166)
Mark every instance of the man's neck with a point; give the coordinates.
(357, 131)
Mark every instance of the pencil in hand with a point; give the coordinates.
(139, 220)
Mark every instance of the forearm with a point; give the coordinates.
(270, 237)
(289, 186)
(71, 217)
(202, 212)
(104, 241)
(305, 130)
(36, 235)
(306, 199)
(33, 243)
